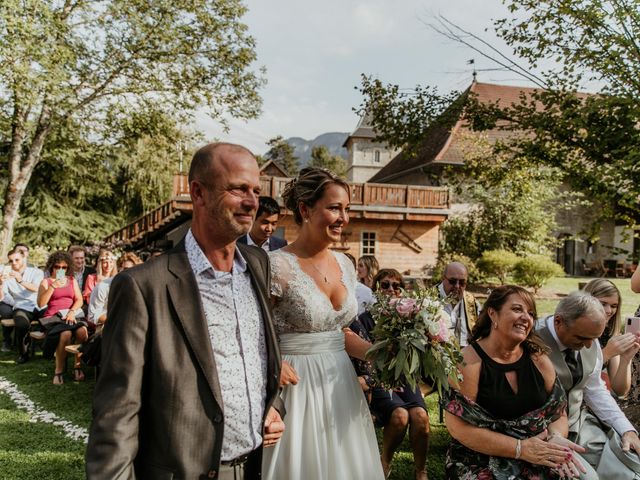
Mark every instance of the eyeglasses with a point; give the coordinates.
(456, 281)
(59, 267)
(385, 284)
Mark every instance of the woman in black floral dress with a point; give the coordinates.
(508, 416)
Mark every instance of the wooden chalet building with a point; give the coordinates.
(399, 224)
(443, 146)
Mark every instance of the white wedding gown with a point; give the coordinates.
(329, 434)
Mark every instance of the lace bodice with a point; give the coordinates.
(300, 306)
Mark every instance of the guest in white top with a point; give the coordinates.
(20, 284)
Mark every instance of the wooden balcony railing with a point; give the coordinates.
(363, 195)
(366, 194)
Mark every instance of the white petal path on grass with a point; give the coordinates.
(38, 414)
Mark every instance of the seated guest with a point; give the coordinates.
(364, 295)
(21, 283)
(507, 416)
(266, 222)
(618, 350)
(24, 248)
(128, 260)
(82, 270)
(602, 428)
(463, 308)
(367, 269)
(6, 312)
(97, 313)
(60, 294)
(105, 268)
(399, 409)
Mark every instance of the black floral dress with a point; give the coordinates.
(465, 464)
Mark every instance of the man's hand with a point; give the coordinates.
(273, 428)
(630, 441)
(288, 374)
(16, 275)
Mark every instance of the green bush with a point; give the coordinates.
(445, 259)
(497, 263)
(534, 271)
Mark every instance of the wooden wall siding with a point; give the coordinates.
(390, 251)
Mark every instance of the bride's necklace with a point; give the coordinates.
(324, 276)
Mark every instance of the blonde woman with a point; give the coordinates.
(105, 268)
(618, 349)
(367, 269)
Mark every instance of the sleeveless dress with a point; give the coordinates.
(329, 433)
(496, 395)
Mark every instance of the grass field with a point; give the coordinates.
(41, 450)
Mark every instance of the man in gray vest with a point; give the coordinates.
(572, 336)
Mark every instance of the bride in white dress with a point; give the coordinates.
(329, 434)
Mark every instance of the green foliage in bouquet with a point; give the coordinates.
(413, 341)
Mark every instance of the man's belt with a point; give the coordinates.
(236, 462)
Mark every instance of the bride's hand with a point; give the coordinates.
(288, 374)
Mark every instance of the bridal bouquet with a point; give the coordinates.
(413, 341)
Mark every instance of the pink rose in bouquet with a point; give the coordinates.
(443, 333)
(405, 306)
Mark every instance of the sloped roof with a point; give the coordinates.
(272, 169)
(441, 140)
(364, 129)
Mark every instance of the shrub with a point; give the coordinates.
(534, 271)
(444, 259)
(497, 263)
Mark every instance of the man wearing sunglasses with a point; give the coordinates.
(462, 306)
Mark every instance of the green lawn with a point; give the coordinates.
(41, 450)
(551, 292)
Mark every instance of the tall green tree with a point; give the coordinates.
(514, 209)
(62, 60)
(81, 190)
(321, 157)
(283, 154)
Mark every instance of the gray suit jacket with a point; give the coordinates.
(157, 406)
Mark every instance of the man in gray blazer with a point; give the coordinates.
(190, 362)
(572, 334)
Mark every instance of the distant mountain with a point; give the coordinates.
(333, 141)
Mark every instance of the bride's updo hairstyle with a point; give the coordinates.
(308, 187)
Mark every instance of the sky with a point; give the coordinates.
(315, 53)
